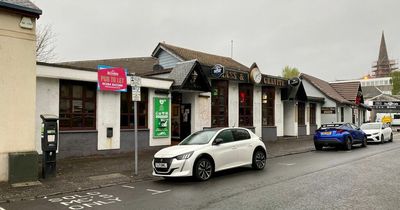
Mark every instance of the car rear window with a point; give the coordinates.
(333, 125)
(241, 134)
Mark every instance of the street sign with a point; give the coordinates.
(136, 82)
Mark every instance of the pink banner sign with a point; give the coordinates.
(111, 79)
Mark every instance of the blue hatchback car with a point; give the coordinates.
(339, 134)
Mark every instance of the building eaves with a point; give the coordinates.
(325, 88)
(21, 5)
(205, 59)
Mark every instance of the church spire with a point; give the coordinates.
(383, 66)
(383, 57)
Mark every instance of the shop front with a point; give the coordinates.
(94, 122)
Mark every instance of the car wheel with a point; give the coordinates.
(391, 137)
(203, 169)
(259, 159)
(318, 147)
(364, 142)
(347, 143)
(382, 139)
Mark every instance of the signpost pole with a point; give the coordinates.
(136, 83)
(136, 139)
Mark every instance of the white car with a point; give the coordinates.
(377, 132)
(204, 152)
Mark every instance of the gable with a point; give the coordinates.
(166, 60)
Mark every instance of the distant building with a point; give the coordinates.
(383, 66)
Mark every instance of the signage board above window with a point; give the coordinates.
(328, 110)
(111, 78)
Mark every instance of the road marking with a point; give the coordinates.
(1, 208)
(286, 164)
(156, 192)
(127, 186)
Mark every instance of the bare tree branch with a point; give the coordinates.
(45, 44)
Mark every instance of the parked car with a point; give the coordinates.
(204, 152)
(339, 134)
(377, 132)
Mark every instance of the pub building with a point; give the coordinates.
(232, 94)
(196, 90)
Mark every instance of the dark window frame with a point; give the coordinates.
(313, 113)
(67, 117)
(128, 113)
(219, 102)
(246, 105)
(268, 106)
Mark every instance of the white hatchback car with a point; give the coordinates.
(204, 152)
(377, 132)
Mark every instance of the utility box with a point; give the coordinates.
(23, 166)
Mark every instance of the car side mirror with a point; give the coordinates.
(218, 141)
(358, 128)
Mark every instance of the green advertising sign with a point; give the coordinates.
(161, 118)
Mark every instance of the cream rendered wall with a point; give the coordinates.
(157, 141)
(200, 110)
(108, 116)
(307, 118)
(17, 88)
(233, 109)
(290, 119)
(47, 102)
(257, 113)
(318, 115)
(279, 115)
(348, 114)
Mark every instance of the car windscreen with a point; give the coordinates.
(371, 126)
(200, 137)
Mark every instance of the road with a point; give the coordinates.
(363, 178)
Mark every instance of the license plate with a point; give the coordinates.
(326, 133)
(161, 165)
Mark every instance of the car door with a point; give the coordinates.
(225, 153)
(356, 133)
(244, 146)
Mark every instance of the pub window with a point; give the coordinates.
(268, 106)
(245, 105)
(219, 103)
(77, 105)
(301, 113)
(128, 109)
(313, 113)
(341, 114)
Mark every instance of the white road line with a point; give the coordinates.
(1, 208)
(286, 164)
(156, 192)
(127, 186)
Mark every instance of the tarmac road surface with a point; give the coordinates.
(363, 178)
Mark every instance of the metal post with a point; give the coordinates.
(136, 140)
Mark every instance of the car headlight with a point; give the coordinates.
(184, 156)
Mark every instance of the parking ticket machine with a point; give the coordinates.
(49, 138)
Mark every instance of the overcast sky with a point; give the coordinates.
(328, 39)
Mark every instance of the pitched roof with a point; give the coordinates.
(370, 91)
(181, 71)
(134, 65)
(203, 58)
(21, 5)
(325, 88)
(348, 90)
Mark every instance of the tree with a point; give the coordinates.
(290, 72)
(395, 82)
(45, 44)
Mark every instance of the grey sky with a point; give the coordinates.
(328, 39)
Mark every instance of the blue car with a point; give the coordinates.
(339, 134)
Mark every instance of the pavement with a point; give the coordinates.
(362, 178)
(96, 172)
